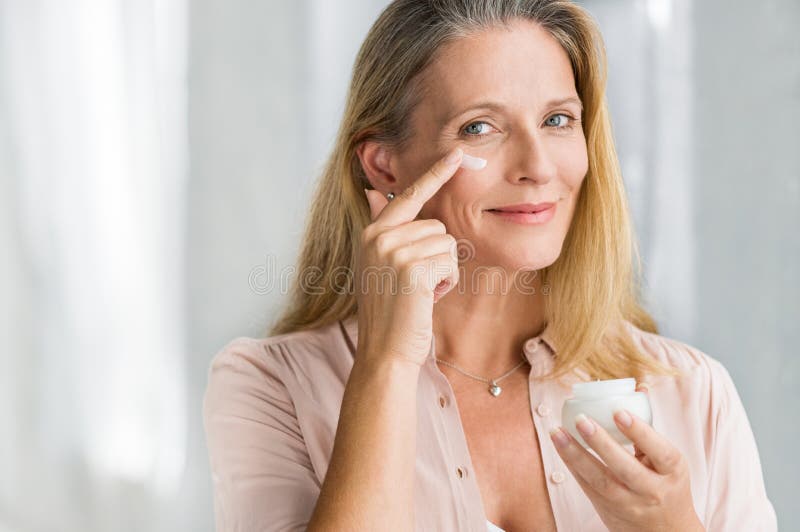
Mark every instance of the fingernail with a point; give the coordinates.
(559, 438)
(623, 418)
(472, 163)
(443, 286)
(453, 157)
(584, 424)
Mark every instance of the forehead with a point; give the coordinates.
(520, 65)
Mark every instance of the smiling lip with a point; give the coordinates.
(525, 207)
(526, 213)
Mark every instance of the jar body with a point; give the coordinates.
(602, 411)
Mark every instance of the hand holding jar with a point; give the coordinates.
(646, 490)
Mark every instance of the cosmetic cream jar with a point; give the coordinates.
(599, 400)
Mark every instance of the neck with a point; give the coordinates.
(481, 326)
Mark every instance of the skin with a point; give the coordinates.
(533, 156)
(480, 326)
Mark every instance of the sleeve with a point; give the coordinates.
(263, 479)
(737, 498)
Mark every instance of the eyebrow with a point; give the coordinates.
(497, 106)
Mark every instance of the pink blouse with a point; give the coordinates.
(272, 405)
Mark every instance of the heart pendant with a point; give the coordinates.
(495, 390)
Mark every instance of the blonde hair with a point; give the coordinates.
(593, 286)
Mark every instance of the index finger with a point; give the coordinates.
(406, 206)
(662, 454)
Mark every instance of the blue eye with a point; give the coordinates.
(571, 124)
(565, 123)
(474, 133)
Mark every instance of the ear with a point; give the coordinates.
(376, 162)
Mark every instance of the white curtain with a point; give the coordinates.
(93, 167)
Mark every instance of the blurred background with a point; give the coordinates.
(156, 163)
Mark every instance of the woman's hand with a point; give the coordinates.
(404, 266)
(648, 490)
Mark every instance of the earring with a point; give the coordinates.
(390, 195)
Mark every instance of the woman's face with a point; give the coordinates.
(531, 137)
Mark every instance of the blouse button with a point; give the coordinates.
(543, 410)
(530, 345)
(557, 477)
(442, 401)
(461, 472)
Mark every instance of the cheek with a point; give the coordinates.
(467, 186)
(457, 198)
(574, 164)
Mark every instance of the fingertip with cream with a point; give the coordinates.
(472, 163)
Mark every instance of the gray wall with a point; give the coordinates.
(747, 189)
(246, 124)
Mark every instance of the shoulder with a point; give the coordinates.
(704, 390)
(298, 360)
(675, 353)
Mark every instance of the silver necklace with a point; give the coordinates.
(494, 389)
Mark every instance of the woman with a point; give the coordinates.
(417, 377)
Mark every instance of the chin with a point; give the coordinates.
(529, 259)
(532, 263)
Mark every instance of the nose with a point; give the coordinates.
(531, 159)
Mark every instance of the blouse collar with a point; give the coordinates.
(538, 350)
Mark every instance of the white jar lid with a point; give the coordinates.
(599, 389)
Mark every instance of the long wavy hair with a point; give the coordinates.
(593, 284)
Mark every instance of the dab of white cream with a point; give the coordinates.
(472, 163)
